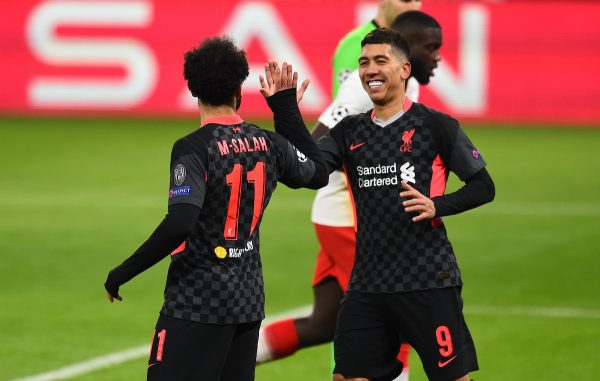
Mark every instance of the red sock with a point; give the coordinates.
(282, 338)
(403, 354)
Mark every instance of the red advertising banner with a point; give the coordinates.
(502, 61)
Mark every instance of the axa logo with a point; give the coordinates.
(407, 172)
(407, 141)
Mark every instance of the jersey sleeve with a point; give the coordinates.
(294, 168)
(456, 150)
(351, 99)
(188, 171)
(331, 146)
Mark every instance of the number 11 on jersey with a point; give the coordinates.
(234, 180)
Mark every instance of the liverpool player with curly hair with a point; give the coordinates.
(222, 177)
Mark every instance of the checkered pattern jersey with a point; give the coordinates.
(394, 254)
(231, 172)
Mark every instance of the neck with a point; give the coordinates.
(389, 109)
(208, 111)
(381, 21)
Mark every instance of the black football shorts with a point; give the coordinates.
(371, 327)
(183, 350)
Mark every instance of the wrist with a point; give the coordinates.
(283, 98)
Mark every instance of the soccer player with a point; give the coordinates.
(405, 284)
(332, 209)
(222, 177)
(347, 51)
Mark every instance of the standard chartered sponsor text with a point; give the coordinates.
(389, 178)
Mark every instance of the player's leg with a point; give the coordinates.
(241, 359)
(319, 327)
(183, 350)
(284, 337)
(403, 358)
(332, 271)
(434, 324)
(366, 342)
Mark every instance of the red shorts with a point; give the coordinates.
(336, 257)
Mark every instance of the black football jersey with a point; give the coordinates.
(229, 169)
(394, 254)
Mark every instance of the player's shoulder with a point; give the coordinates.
(196, 142)
(187, 142)
(433, 116)
(352, 122)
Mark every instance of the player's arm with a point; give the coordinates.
(186, 195)
(279, 89)
(306, 167)
(460, 156)
(332, 146)
(479, 189)
(174, 229)
(319, 130)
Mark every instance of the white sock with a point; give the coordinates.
(403, 376)
(263, 352)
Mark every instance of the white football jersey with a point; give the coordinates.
(332, 205)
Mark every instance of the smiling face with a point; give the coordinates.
(383, 72)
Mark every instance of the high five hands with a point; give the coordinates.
(280, 78)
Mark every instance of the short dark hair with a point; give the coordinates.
(215, 70)
(387, 36)
(414, 20)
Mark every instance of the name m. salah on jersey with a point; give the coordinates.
(238, 145)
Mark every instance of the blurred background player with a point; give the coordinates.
(222, 177)
(333, 210)
(348, 49)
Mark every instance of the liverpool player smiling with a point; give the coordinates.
(332, 211)
(405, 284)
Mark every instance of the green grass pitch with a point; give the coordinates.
(77, 196)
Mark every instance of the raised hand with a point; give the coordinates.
(280, 78)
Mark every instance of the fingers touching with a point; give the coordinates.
(279, 78)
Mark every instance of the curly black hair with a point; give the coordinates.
(387, 36)
(215, 70)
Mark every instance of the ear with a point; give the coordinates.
(405, 70)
